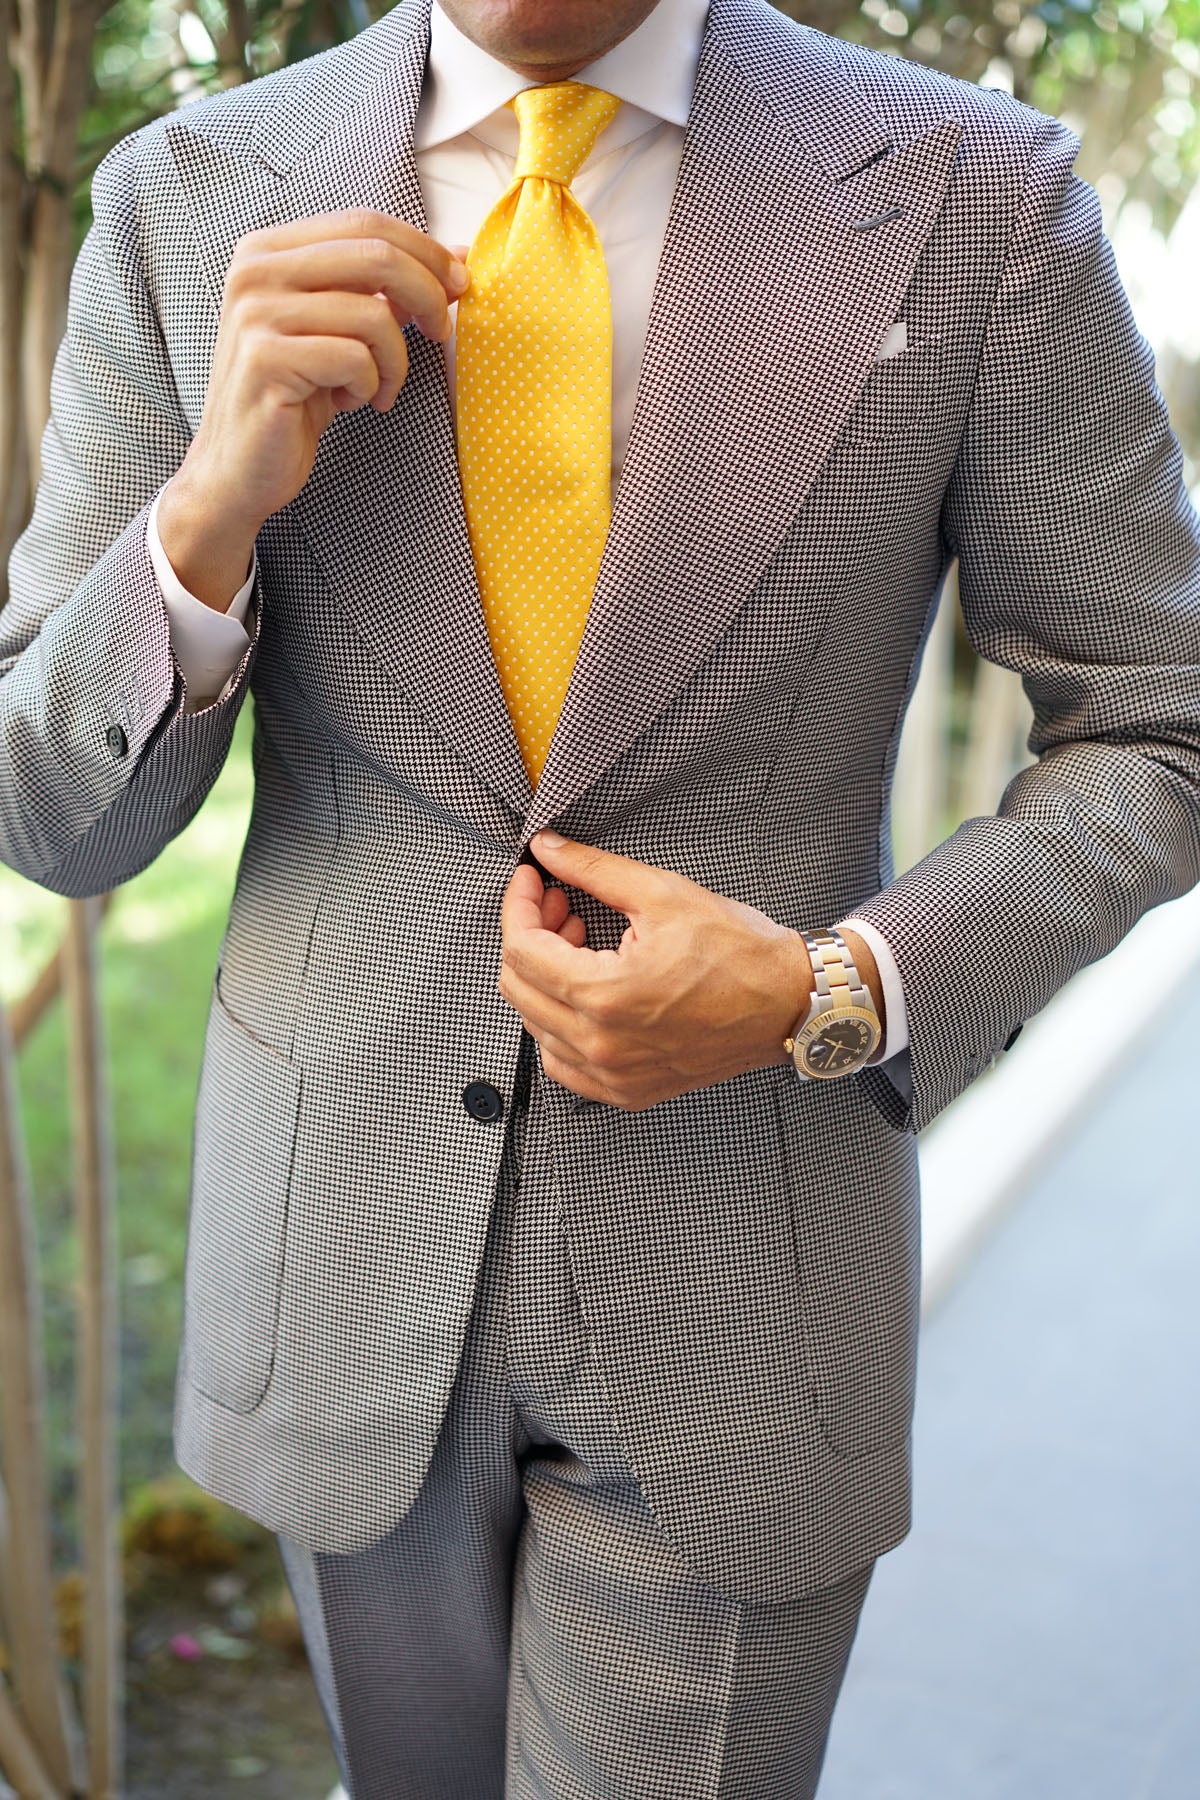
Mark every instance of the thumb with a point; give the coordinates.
(633, 888)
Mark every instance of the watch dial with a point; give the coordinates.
(842, 1045)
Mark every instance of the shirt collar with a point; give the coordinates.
(653, 72)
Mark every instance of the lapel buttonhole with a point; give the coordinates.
(878, 219)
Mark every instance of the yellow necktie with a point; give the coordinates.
(534, 380)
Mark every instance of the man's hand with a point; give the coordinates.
(702, 987)
(311, 325)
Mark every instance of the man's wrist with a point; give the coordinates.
(208, 548)
(868, 970)
(799, 984)
(800, 980)
(796, 986)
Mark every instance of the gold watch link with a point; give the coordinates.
(841, 1029)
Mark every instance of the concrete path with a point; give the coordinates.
(1038, 1636)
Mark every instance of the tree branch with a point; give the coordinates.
(25, 1014)
(12, 233)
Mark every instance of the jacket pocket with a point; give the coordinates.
(898, 396)
(245, 1133)
(855, 1208)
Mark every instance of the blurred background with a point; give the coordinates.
(219, 1698)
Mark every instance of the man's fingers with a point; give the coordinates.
(630, 887)
(521, 908)
(574, 1076)
(352, 266)
(542, 942)
(544, 959)
(359, 222)
(555, 907)
(543, 1013)
(557, 916)
(574, 930)
(370, 320)
(537, 959)
(337, 363)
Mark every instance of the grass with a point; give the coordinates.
(160, 944)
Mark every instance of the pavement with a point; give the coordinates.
(1037, 1637)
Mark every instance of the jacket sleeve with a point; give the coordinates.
(1080, 569)
(100, 765)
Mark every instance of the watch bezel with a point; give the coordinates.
(816, 1028)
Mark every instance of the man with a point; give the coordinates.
(552, 1275)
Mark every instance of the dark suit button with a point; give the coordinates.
(483, 1101)
(1013, 1036)
(117, 742)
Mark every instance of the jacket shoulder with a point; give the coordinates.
(280, 105)
(912, 95)
(798, 68)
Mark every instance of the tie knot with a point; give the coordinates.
(559, 124)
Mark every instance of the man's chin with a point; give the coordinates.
(547, 39)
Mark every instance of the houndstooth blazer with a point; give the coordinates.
(746, 1257)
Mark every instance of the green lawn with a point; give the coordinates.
(160, 944)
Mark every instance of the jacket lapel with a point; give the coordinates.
(770, 305)
(382, 511)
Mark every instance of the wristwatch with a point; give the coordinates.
(841, 1028)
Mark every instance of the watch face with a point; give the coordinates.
(840, 1046)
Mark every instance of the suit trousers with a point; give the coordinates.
(528, 1629)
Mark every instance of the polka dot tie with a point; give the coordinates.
(535, 409)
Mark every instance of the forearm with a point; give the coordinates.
(989, 926)
(98, 766)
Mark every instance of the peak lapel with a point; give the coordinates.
(770, 305)
(382, 510)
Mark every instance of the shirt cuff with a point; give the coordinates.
(895, 1037)
(208, 645)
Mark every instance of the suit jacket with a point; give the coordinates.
(746, 1256)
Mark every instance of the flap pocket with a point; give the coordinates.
(245, 1133)
(899, 393)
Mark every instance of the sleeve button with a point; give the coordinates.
(117, 742)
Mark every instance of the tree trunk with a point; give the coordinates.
(234, 43)
(31, 1625)
(12, 232)
(96, 1224)
(19, 1757)
(63, 48)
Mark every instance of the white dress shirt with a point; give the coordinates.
(465, 141)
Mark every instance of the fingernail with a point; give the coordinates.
(460, 277)
(549, 840)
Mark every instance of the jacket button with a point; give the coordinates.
(117, 742)
(483, 1101)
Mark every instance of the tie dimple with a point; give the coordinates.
(535, 409)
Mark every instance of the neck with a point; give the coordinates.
(564, 72)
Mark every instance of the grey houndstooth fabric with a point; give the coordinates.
(746, 1257)
(528, 1628)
